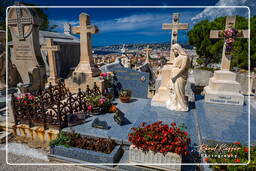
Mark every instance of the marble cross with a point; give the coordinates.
(147, 53)
(85, 30)
(215, 34)
(20, 22)
(51, 49)
(175, 26)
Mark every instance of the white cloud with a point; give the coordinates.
(146, 24)
(133, 22)
(212, 13)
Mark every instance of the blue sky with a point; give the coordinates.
(138, 25)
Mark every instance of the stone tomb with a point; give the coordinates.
(86, 71)
(162, 94)
(24, 27)
(135, 81)
(223, 87)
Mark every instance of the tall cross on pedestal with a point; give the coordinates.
(51, 49)
(229, 35)
(20, 22)
(148, 50)
(175, 26)
(85, 30)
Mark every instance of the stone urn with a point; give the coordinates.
(137, 156)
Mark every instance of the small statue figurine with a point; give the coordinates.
(178, 79)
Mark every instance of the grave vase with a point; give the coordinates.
(139, 157)
(110, 94)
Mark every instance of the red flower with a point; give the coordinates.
(237, 160)
(160, 137)
(143, 124)
(246, 149)
(206, 159)
(89, 108)
(237, 143)
(173, 124)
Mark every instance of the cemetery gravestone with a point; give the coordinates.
(86, 72)
(162, 94)
(51, 49)
(223, 87)
(24, 27)
(132, 80)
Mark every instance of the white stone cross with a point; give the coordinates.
(214, 34)
(85, 30)
(51, 49)
(175, 26)
(147, 53)
(20, 22)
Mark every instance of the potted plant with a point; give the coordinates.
(72, 146)
(125, 95)
(158, 143)
(98, 105)
(108, 78)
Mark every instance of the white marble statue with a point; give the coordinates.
(178, 79)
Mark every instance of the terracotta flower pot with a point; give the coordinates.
(124, 99)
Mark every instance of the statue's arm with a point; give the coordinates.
(184, 65)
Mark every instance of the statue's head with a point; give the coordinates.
(177, 50)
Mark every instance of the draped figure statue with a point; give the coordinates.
(178, 79)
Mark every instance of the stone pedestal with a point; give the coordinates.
(223, 89)
(80, 79)
(162, 95)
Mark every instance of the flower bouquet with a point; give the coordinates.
(98, 105)
(108, 78)
(158, 143)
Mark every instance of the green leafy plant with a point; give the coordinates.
(99, 101)
(76, 140)
(241, 157)
(125, 93)
(210, 50)
(161, 138)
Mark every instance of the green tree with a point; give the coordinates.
(210, 50)
(40, 11)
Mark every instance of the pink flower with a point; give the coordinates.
(229, 40)
(105, 74)
(101, 100)
(18, 98)
(31, 97)
(89, 108)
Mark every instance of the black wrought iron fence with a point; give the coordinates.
(51, 108)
